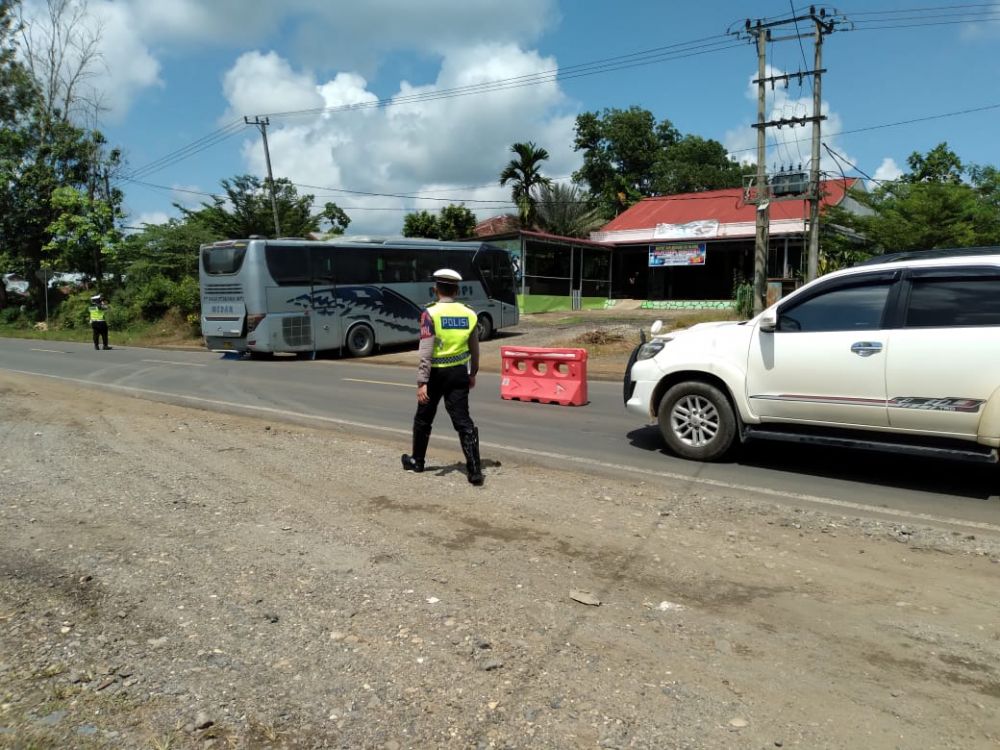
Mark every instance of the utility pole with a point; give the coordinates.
(812, 266)
(262, 126)
(763, 219)
(764, 193)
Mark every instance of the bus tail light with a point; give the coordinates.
(253, 321)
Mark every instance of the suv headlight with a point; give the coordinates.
(650, 349)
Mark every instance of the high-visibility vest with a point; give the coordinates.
(96, 314)
(453, 324)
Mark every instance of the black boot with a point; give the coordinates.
(415, 462)
(470, 447)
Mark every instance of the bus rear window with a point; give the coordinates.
(226, 259)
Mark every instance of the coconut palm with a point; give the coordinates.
(564, 209)
(524, 176)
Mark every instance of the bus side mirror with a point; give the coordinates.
(768, 321)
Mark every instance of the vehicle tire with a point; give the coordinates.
(697, 421)
(360, 340)
(484, 327)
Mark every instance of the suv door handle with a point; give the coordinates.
(866, 348)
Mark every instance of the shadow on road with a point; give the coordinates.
(968, 480)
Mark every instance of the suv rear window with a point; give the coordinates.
(955, 302)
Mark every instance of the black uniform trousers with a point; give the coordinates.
(451, 384)
(100, 332)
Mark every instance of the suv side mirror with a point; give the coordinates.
(768, 321)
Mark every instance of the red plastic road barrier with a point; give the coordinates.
(549, 376)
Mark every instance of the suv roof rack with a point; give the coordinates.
(952, 252)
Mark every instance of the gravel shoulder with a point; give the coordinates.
(174, 578)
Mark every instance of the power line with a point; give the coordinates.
(506, 84)
(680, 50)
(920, 8)
(417, 196)
(214, 138)
(895, 124)
(802, 49)
(922, 21)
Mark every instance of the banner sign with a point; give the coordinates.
(685, 254)
(691, 230)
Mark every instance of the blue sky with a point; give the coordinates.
(178, 71)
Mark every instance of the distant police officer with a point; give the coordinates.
(449, 361)
(98, 312)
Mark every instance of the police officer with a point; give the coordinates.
(449, 361)
(98, 309)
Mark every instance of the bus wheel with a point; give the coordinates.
(360, 341)
(484, 328)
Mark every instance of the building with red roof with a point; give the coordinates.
(687, 250)
(692, 246)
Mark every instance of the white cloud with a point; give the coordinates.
(129, 67)
(453, 148)
(150, 217)
(790, 145)
(888, 170)
(342, 34)
(325, 35)
(266, 83)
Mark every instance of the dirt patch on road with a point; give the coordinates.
(177, 578)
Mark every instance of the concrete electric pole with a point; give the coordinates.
(763, 194)
(812, 265)
(763, 219)
(262, 126)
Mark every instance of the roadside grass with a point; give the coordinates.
(688, 318)
(171, 330)
(617, 338)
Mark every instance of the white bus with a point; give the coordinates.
(287, 295)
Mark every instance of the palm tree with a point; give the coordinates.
(565, 210)
(524, 176)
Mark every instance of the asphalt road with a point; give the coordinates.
(599, 437)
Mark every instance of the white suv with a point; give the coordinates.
(901, 353)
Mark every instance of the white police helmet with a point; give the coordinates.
(96, 298)
(447, 276)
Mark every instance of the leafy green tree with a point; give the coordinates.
(628, 155)
(524, 175)
(455, 222)
(940, 165)
(169, 250)
(246, 210)
(620, 148)
(929, 207)
(34, 162)
(42, 150)
(567, 211)
(84, 230)
(420, 224)
(336, 218)
(691, 164)
(16, 89)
